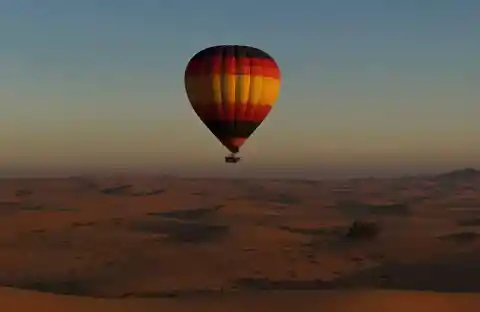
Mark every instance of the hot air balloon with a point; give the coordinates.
(232, 89)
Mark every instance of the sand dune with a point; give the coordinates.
(358, 301)
(236, 242)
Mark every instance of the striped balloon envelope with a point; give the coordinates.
(232, 89)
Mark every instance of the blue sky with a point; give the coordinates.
(369, 87)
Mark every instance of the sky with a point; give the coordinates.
(368, 87)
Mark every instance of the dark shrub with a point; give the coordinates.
(363, 230)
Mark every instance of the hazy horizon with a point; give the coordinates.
(369, 88)
(255, 173)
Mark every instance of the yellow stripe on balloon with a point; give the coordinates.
(241, 89)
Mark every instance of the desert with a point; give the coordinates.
(125, 243)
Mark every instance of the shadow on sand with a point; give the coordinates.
(176, 231)
(188, 214)
(354, 209)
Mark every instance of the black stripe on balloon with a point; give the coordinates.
(230, 129)
(236, 51)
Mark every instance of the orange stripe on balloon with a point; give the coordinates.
(233, 66)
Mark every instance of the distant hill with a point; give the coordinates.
(466, 175)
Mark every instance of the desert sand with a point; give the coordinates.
(334, 301)
(131, 243)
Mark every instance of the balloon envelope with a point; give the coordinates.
(232, 89)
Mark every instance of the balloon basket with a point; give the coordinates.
(232, 159)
